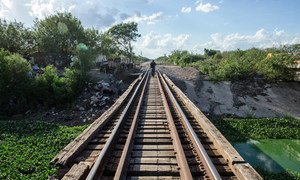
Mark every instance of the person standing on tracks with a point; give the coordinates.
(152, 65)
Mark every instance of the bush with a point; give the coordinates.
(231, 69)
(236, 65)
(20, 91)
(183, 58)
(55, 90)
(15, 82)
(209, 67)
(275, 67)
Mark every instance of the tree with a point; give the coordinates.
(108, 46)
(92, 38)
(14, 37)
(123, 34)
(210, 52)
(58, 36)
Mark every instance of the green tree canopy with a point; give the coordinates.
(183, 58)
(210, 52)
(108, 46)
(58, 36)
(124, 34)
(15, 38)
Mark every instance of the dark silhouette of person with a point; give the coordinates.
(152, 65)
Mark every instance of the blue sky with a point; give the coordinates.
(166, 25)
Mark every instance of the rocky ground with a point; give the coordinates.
(99, 94)
(248, 98)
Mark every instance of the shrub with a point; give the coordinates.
(209, 67)
(183, 58)
(19, 90)
(44, 84)
(275, 67)
(235, 65)
(15, 82)
(55, 90)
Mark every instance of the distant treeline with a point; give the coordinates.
(271, 64)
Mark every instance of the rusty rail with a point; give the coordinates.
(185, 172)
(100, 160)
(211, 169)
(129, 146)
(121, 169)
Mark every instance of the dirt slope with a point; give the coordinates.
(243, 99)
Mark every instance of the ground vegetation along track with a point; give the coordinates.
(154, 134)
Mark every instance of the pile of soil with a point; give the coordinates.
(180, 75)
(252, 96)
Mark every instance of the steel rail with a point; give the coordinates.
(199, 147)
(185, 172)
(121, 169)
(100, 159)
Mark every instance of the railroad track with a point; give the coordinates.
(153, 131)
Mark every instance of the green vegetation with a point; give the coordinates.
(21, 90)
(271, 64)
(15, 38)
(123, 35)
(57, 37)
(55, 90)
(238, 130)
(14, 81)
(61, 51)
(140, 59)
(27, 147)
(181, 58)
(291, 175)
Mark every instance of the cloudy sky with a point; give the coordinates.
(166, 25)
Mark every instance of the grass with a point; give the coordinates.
(27, 147)
(240, 130)
(263, 128)
(285, 175)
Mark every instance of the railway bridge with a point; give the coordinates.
(153, 131)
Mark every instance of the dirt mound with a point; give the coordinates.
(249, 97)
(180, 75)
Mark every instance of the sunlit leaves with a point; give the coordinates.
(27, 147)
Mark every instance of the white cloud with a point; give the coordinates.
(206, 7)
(186, 9)
(91, 12)
(15, 10)
(260, 39)
(5, 7)
(153, 44)
(7, 3)
(152, 19)
(296, 40)
(153, 40)
(149, 1)
(278, 32)
(40, 8)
